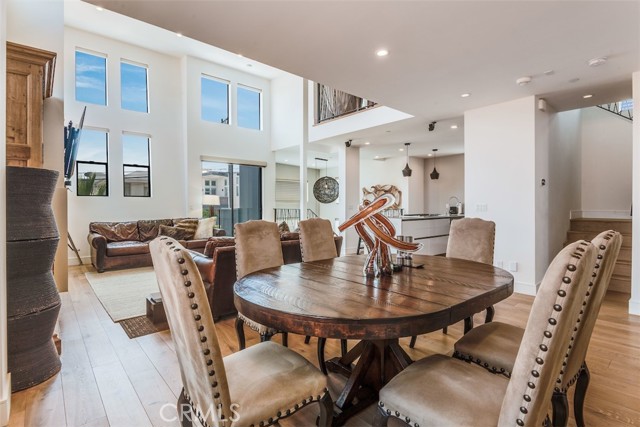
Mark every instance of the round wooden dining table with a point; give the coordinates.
(334, 299)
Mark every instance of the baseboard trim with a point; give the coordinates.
(86, 260)
(600, 214)
(634, 307)
(525, 288)
(5, 401)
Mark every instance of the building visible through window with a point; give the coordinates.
(92, 178)
(214, 99)
(136, 167)
(134, 87)
(91, 78)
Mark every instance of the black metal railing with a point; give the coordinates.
(618, 108)
(291, 216)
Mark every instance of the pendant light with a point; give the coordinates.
(407, 170)
(326, 189)
(434, 174)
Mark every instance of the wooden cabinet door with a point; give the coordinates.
(29, 81)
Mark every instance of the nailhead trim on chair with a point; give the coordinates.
(547, 335)
(469, 359)
(398, 415)
(203, 339)
(284, 414)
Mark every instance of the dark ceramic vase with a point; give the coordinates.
(33, 302)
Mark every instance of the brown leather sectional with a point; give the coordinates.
(217, 266)
(118, 245)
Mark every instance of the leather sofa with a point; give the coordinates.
(118, 245)
(217, 266)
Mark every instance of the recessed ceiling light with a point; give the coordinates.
(549, 73)
(596, 62)
(454, 126)
(400, 149)
(99, 8)
(465, 95)
(179, 34)
(240, 55)
(377, 157)
(382, 52)
(429, 154)
(587, 96)
(367, 143)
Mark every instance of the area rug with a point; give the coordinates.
(141, 325)
(123, 293)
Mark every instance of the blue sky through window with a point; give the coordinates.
(215, 100)
(93, 146)
(135, 149)
(248, 108)
(133, 80)
(91, 78)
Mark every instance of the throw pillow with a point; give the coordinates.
(217, 242)
(289, 236)
(189, 225)
(205, 228)
(174, 232)
(283, 227)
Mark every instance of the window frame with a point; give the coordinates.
(92, 162)
(260, 105)
(133, 165)
(204, 76)
(146, 68)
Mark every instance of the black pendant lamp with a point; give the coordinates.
(434, 174)
(407, 170)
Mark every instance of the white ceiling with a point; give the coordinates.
(438, 50)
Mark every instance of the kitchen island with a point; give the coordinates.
(432, 230)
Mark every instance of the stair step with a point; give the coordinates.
(622, 269)
(572, 236)
(600, 224)
(618, 284)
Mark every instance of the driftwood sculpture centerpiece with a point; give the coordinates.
(378, 234)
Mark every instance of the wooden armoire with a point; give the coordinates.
(29, 80)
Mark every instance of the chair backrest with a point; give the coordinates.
(316, 240)
(608, 245)
(472, 239)
(194, 335)
(546, 337)
(257, 247)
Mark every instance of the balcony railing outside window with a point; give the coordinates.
(333, 103)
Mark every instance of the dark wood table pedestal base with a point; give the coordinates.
(377, 362)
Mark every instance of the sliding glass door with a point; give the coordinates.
(237, 190)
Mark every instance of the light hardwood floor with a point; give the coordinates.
(109, 380)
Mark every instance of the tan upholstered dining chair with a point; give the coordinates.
(445, 391)
(257, 247)
(317, 243)
(244, 388)
(471, 239)
(495, 345)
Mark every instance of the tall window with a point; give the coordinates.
(243, 204)
(92, 177)
(215, 99)
(91, 78)
(134, 87)
(249, 107)
(136, 169)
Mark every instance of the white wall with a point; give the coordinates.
(5, 379)
(634, 302)
(564, 180)
(40, 24)
(163, 123)
(451, 183)
(606, 164)
(541, 191)
(226, 141)
(286, 111)
(500, 176)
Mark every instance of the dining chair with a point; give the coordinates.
(257, 247)
(444, 391)
(317, 243)
(471, 239)
(244, 388)
(495, 345)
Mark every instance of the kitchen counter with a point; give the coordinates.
(432, 230)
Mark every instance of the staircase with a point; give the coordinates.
(588, 228)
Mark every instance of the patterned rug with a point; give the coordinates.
(141, 325)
